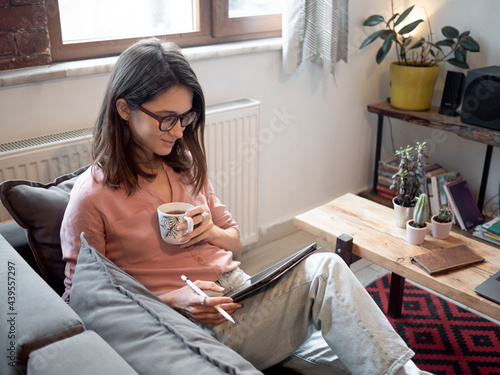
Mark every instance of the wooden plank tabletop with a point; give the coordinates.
(377, 239)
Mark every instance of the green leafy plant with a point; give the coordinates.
(408, 179)
(421, 211)
(420, 52)
(445, 215)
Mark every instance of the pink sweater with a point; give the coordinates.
(125, 230)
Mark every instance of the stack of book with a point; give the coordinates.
(386, 170)
(463, 204)
(434, 188)
(489, 231)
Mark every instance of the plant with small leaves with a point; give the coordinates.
(422, 52)
(408, 180)
(445, 215)
(421, 212)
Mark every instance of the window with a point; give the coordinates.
(122, 19)
(81, 29)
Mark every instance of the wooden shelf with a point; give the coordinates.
(431, 118)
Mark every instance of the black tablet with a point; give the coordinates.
(269, 274)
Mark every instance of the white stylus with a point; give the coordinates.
(202, 294)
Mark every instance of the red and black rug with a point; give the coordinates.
(446, 339)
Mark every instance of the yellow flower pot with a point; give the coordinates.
(412, 87)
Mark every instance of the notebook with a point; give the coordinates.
(490, 288)
(269, 274)
(446, 259)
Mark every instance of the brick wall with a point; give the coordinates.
(24, 36)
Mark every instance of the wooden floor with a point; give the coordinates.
(263, 256)
(259, 258)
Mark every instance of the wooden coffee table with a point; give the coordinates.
(366, 228)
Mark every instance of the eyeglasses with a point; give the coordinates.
(165, 123)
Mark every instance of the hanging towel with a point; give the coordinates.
(315, 30)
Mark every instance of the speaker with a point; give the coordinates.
(481, 101)
(452, 93)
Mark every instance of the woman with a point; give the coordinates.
(147, 151)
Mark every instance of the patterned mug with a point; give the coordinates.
(170, 215)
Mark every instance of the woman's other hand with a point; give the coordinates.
(203, 227)
(205, 230)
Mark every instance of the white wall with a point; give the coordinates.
(317, 139)
(450, 150)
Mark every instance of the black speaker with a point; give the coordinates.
(452, 93)
(481, 101)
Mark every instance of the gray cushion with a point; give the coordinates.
(39, 208)
(149, 335)
(33, 314)
(86, 353)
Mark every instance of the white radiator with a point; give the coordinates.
(230, 136)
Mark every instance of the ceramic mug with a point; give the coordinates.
(170, 215)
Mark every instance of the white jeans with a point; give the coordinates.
(320, 294)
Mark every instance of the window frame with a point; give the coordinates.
(215, 27)
(222, 25)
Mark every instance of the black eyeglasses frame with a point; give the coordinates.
(191, 115)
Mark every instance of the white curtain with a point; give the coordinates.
(315, 30)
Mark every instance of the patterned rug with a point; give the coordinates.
(447, 339)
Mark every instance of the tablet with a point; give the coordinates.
(490, 288)
(269, 274)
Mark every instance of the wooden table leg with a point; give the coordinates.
(343, 247)
(396, 296)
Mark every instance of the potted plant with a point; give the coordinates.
(416, 229)
(415, 72)
(441, 223)
(408, 180)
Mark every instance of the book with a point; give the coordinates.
(464, 204)
(447, 259)
(385, 173)
(456, 213)
(383, 180)
(441, 180)
(493, 226)
(434, 171)
(386, 188)
(430, 195)
(482, 233)
(385, 192)
(435, 203)
(391, 165)
(437, 188)
(489, 231)
(492, 236)
(426, 185)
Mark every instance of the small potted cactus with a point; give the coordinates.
(441, 223)
(416, 228)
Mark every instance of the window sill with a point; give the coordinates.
(105, 65)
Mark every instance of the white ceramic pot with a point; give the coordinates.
(402, 214)
(416, 236)
(441, 231)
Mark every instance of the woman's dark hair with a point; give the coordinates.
(145, 70)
